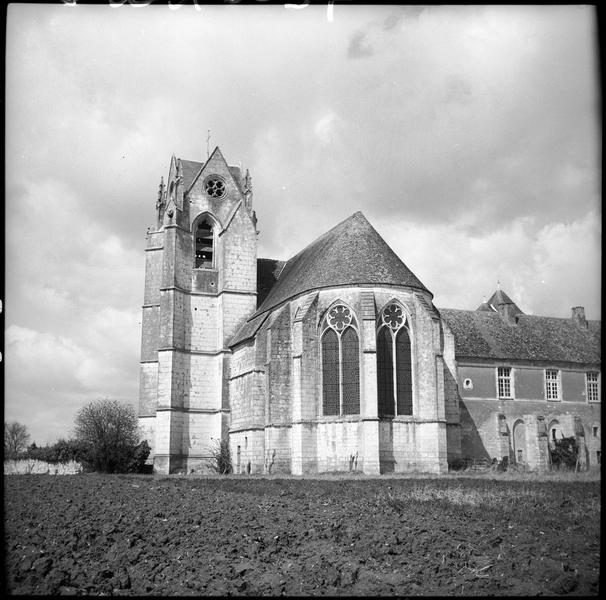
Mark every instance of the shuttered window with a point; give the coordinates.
(204, 244)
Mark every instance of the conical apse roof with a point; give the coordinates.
(351, 253)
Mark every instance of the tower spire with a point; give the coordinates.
(248, 189)
(160, 201)
(160, 192)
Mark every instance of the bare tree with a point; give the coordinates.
(110, 429)
(16, 438)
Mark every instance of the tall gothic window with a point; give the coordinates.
(394, 363)
(340, 363)
(204, 244)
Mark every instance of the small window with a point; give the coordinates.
(596, 431)
(504, 383)
(598, 455)
(467, 384)
(552, 384)
(205, 241)
(593, 386)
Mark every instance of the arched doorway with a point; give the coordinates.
(555, 431)
(519, 442)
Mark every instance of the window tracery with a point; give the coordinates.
(394, 363)
(215, 187)
(340, 351)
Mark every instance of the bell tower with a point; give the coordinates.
(200, 286)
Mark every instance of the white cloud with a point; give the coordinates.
(533, 267)
(52, 376)
(49, 360)
(326, 127)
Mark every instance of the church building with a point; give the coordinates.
(337, 359)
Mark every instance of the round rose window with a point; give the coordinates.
(214, 187)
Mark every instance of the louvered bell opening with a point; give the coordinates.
(204, 246)
(204, 260)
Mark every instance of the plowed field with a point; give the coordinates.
(180, 535)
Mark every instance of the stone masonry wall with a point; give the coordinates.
(202, 324)
(148, 389)
(479, 405)
(240, 253)
(235, 309)
(150, 332)
(204, 377)
(248, 446)
(277, 449)
(339, 446)
(451, 396)
(280, 371)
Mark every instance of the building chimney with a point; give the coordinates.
(508, 313)
(578, 316)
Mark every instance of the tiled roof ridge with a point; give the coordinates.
(519, 316)
(500, 297)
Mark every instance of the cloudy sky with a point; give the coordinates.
(468, 136)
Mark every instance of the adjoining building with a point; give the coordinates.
(337, 359)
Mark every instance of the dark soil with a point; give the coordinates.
(143, 535)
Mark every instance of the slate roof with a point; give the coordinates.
(236, 173)
(485, 335)
(249, 329)
(190, 170)
(268, 270)
(351, 253)
(499, 297)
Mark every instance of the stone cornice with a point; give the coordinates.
(175, 288)
(187, 409)
(200, 352)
